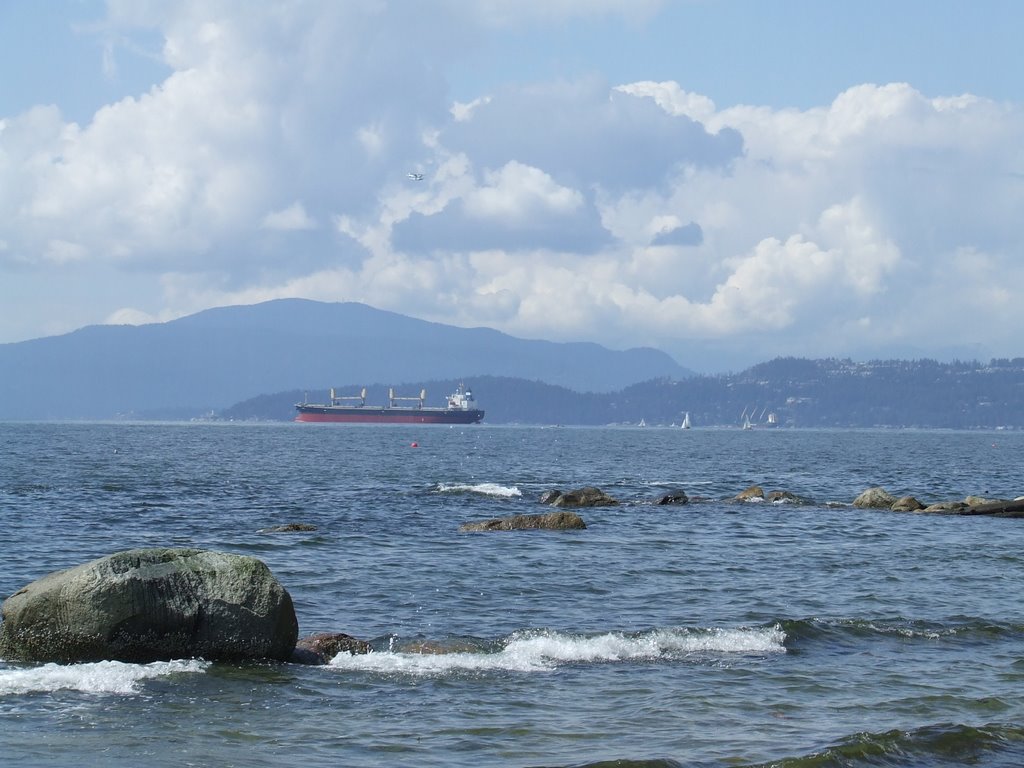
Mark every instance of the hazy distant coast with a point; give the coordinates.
(800, 393)
(255, 362)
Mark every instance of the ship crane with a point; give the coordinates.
(338, 399)
(419, 400)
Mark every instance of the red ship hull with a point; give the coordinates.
(362, 415)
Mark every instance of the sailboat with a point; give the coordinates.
(747, 424)
(686, 420)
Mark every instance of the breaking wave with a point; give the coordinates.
(485, 489)
(543, 651)
(97, 677)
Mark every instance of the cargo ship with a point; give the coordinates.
(460, 409)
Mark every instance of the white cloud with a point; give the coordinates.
(463, 112)
(517, 192)
(673, 99)
(782, 282)
(294, 217)
(642, 213)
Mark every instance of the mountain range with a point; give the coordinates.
(215, 358)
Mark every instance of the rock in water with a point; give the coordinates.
(583, 497)
(147, 605)
(1013, 508)
(321, 647)
(753, 493)
(555, 521)
(289, 528)
(676, 497)
(549, 497)
(875, 498)
(907, 504)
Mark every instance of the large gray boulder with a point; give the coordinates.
(147, 605)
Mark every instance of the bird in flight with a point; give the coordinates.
(414, 176)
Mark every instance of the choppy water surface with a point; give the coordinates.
(717, 633)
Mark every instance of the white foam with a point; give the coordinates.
(757, 641)
(487, 489)
(654, 645)
(545, 651)
(437, 664)
(97, 677)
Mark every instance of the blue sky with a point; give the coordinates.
(726, 180)
(787, 53)
(791, 53)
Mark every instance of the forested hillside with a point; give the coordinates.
(790, 392)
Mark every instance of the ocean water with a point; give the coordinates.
(712, 634)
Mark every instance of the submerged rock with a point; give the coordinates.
(582, 497)
(439, 647)
(1013, 508)
(553, 521)
(321, 647)
(756, 493)
(785, 497)
(676, 497)
(147, 605)
(288, 528)
(753, 493)
(974, 501)
(945, 508)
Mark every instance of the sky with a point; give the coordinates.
(726, 180)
